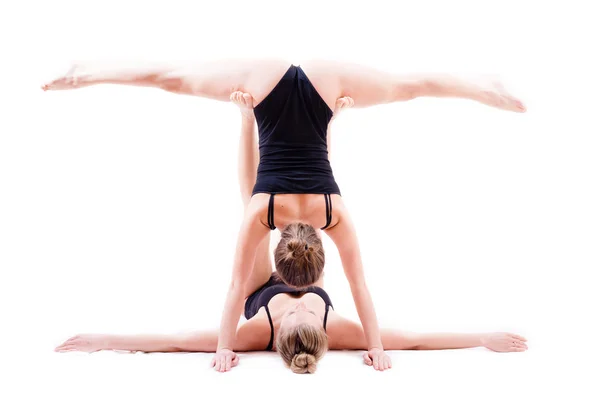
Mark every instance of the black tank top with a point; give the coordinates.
(292, 127)
(261, 297)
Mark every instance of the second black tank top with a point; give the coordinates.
(274, 286)
(292, 127)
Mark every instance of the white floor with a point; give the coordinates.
(464, 374)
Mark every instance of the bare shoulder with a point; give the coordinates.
(253, 335)
(342, 227)
(257, 208)
(344, 334)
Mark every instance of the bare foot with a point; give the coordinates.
(245, 102)
(504, 342)
(497, 96)
(73, 79)
(86, 343)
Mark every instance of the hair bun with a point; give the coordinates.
(296, 248)
(304, 363)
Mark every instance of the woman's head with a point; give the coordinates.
(299, 256)
(301, 341)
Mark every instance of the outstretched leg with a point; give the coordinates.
(248, 157)
(218, 79)
(214, 80)
(369, 86)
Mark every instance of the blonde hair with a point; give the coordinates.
(299, 256)
(302, 347)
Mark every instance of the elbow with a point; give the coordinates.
(411, 89)
(237, 284)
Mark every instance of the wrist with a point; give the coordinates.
(248, 115)
(483, 339)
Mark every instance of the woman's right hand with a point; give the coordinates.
(224, 360)
(85, 343)
(504, 342)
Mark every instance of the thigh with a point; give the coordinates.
(368, 86)
(265, 75)
(219, 78)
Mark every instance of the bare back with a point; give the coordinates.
(305, 208)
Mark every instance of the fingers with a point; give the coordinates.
(241, 99)
(379, 360)
(224, 362)
(521, 338)
(384, 364)
(235, 97)
(248, 100)
(344, 102)
(376, 363)
(65, 347)
(520, 346)
(69, 345)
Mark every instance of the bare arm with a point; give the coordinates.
(251, 234)
(340, 104)
(344, 237)
(348, 335)
(249, 337)
(501, 341)
(248, 154)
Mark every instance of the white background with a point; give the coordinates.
(119, 206)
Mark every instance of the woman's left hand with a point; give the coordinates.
(87, 343)
(378, 359)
